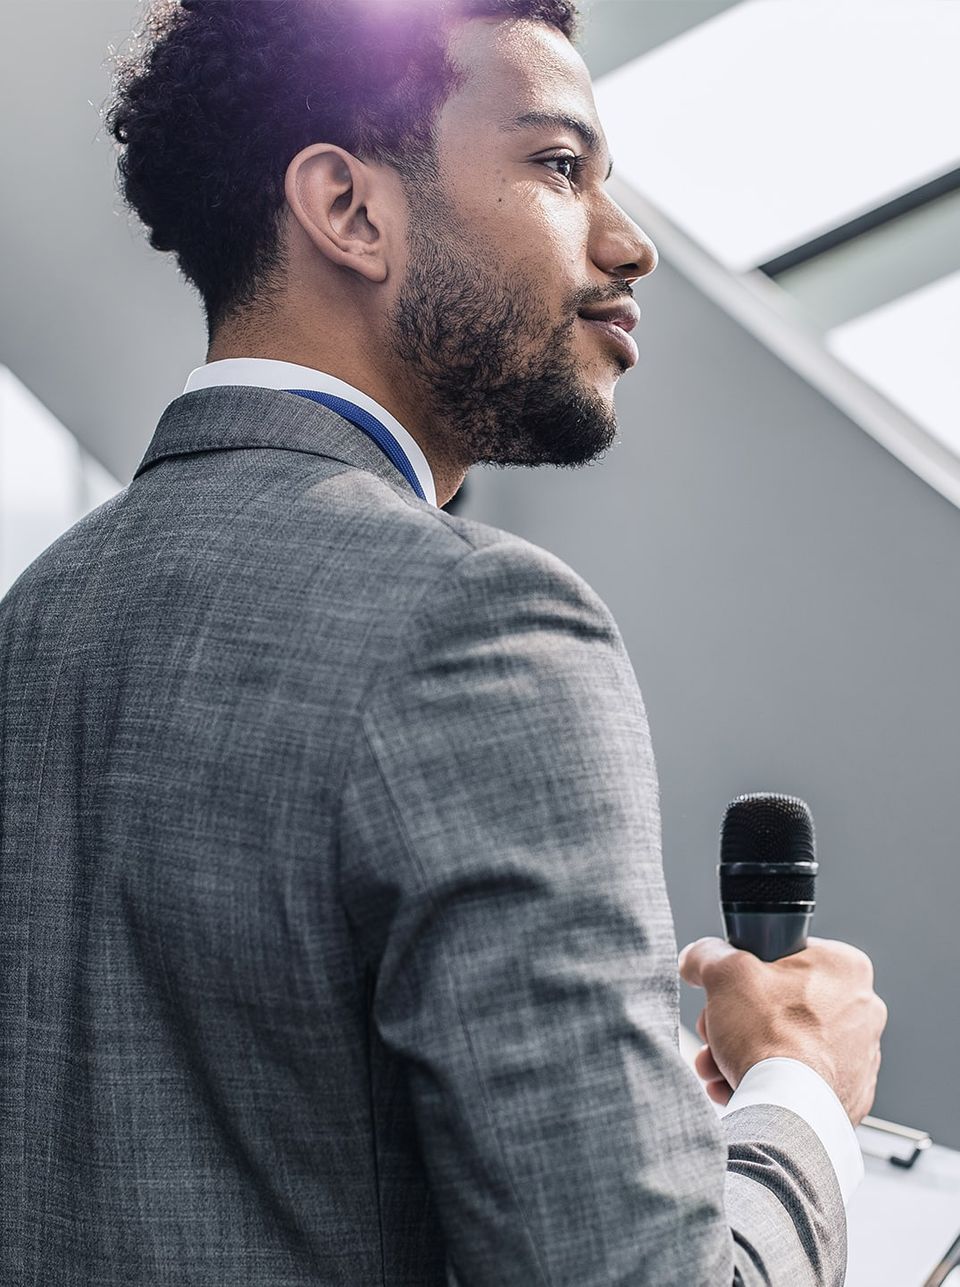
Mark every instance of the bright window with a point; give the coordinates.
(47, 481)
(908, 350)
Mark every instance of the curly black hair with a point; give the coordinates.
(214, 98)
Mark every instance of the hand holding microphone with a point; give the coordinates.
(771, 990)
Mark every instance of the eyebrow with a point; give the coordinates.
(544, 120)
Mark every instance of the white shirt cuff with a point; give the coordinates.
(794, 1085)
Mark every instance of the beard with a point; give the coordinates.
(497, 377)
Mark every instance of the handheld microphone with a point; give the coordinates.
(768, 866)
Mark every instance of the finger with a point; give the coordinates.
(697, 956)
(702, 1026)
(706, 1066)
(719, 1091)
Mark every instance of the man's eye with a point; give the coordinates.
(576, 164)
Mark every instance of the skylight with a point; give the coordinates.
(776, 121)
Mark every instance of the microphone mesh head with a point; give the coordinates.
(765, 827)
(778, 885)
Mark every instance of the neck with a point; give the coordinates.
(448, 473)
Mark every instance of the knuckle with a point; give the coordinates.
(690, 957)
(856, 959)
(708, 973)
(717, 970)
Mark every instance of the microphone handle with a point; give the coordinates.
(769, 930)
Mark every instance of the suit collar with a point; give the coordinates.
(229, 417)
(275, 373)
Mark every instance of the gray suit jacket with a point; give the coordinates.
(334, 941)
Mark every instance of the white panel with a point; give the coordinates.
(908, 350)
(43, 478)
(780, 119)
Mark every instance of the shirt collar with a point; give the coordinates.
(267, 373)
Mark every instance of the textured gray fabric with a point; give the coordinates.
(334, 941)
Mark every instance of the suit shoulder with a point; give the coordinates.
(502, 557)
(479, 569)
(495, 552)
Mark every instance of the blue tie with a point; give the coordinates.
(372, 427)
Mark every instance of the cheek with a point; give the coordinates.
(538, 241)
(524, 219)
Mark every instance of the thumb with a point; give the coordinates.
(696, 956)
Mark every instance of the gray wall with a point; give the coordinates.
(788, 595)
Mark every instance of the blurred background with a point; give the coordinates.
(776, 530)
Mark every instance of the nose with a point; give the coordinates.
(623, 248)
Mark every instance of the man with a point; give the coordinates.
(336, 948)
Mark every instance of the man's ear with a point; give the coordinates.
(341, 205)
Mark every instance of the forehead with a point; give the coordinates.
(514, 67)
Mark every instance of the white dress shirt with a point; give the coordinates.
(265, 373)
(794, 1085)
(786, 1082)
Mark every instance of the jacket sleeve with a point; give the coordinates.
(500, 863)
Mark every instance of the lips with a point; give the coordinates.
(623, 313)
(615, 331)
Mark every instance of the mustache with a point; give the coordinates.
(624, 292)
